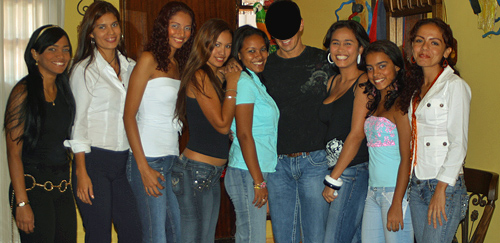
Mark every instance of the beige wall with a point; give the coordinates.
(478, 63)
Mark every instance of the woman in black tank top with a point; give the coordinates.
(38, 118)
(344, 111)
(208, 111)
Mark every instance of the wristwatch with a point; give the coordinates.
(22, 204)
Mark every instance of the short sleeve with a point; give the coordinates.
(247, 92)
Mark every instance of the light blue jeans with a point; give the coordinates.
(374, 227)
(421, 192)
(250, 220)
(295, 198)
(346, 211)
(160, 216)
(197, 187)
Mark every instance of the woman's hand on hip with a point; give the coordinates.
(150, 180)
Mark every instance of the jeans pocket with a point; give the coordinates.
(177, 182)
(318, 158)
(202, 178)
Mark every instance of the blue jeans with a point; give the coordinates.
(197, 187)
(250, 220)
(374, 229)
(160, 216)
(421, 192)
(346, 211)
(295, 200)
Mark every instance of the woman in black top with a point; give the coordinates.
(344, 112)
(38, 118)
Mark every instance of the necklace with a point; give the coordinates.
(53, 99)
(112, 60)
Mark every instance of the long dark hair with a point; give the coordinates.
(398, 84)
(239, 37)
(26, 105)
(414, 73)
(357, 29)
(157, 44)
(203, 44)
(85, 45)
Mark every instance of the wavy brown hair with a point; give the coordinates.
(157, 44)
(414, 73)
(203, 44)
(85, 47)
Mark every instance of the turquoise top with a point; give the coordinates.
(383, 148)
(264, 125)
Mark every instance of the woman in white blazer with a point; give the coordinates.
(439, 117)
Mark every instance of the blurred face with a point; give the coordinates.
(179, 29)
(54, 59)
(429, 46)
(107, 32)
(381, 70)
(291, 47)
(253, 53)
(344, 48)
(221, 51)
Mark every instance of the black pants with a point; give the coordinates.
(113, 202)
(54, 212)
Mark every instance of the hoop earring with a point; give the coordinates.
(359, 58)
(92, 41)
(329, 59)
(412, 60)
(445, 63)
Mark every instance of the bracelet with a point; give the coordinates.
(227, 90)
(230, 97)
(261, 185)
(332, 183)
(22, 204)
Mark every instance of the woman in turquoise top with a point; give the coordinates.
(253, 153)
(386, 217)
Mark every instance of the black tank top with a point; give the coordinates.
(49, 150)
(337, 115)
(203, 138)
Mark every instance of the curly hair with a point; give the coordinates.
(157, 44)
(414, 73)
(398, 84)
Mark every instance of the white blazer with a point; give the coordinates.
(442, 129)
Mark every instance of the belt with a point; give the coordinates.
(293, 155)
(48, 185)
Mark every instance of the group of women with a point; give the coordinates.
(122, 120)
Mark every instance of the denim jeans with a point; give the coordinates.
(160, 216)
(197, 187)
(374, 227)
(346, 211)
(421, 192)
(295, 200)
(114, 200)
(250, 220)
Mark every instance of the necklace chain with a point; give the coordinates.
(53, 99)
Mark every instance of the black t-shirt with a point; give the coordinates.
(298, 86)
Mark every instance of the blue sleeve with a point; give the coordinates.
(247, 92)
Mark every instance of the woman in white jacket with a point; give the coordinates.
(439, 117)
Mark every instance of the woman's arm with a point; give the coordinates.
(352, 142)
(139, 78)
(220, 117)
(244, 121)
(25, 219)
(395, 214)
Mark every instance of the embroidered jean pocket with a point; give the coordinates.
(202, 178)
(177, 182)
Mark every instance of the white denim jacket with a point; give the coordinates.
(442, 129)
(100, 100)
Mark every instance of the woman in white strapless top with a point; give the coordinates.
(149, 121)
